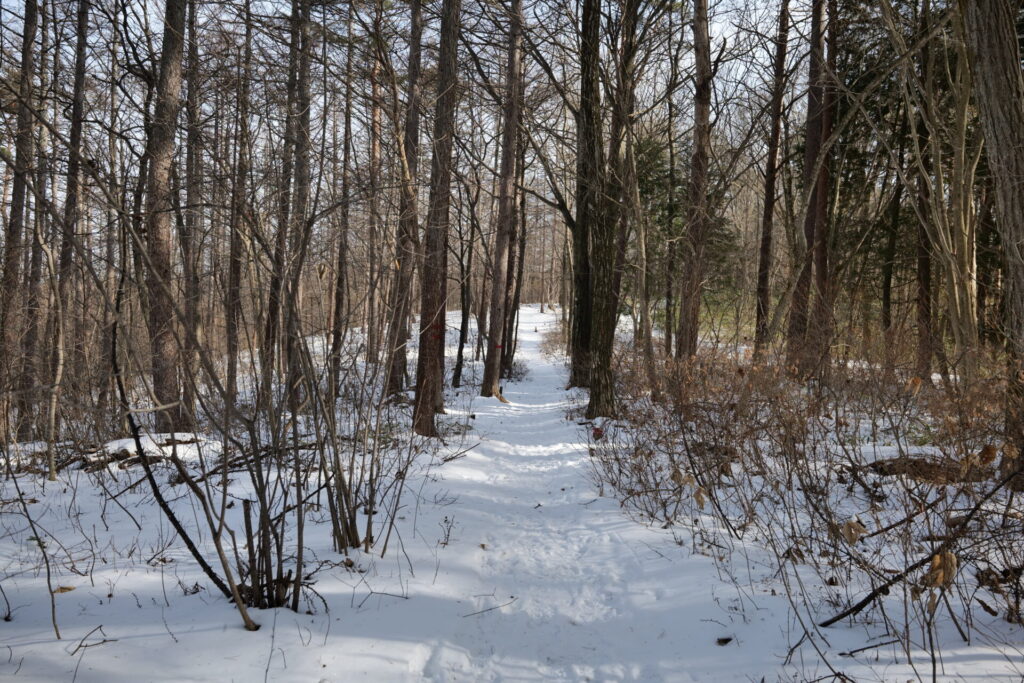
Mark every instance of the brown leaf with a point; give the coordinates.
(942, 570)
(987, 455)
(853, 531)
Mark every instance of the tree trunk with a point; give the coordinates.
(506, 207)
(23, 144)
(815, 204)
(430, 364)
(821, 328)
(771, 170)
(999, 87)
(339, 319)
(589, 191)
(408, 221)
(605, 229)
(699, 220)
(192, 214)
(239, 220)
(166, 353)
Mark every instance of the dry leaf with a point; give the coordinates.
(853, 531)
(700, 496)
(987, 455)
(942, 570)
(677, 477)
(63, 589)
(1010, 451)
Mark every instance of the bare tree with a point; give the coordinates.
(166, 351)
(434, 275)
(496, 335)
(699, 219)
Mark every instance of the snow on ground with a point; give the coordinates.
(508, 566)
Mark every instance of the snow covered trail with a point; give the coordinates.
(573, 589)
(506, 565)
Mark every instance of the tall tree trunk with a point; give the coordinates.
(815, 204)
(301, 231)
(192, 213)
(820, 332)
(999, 87)
(340, 302)
(589, 191)
(923, 273)
(699, 219)
(408, 220)
(771, 171)
(434, 280)
(604, 230)
(166, 352)
(31, 360)
(239, 218)
(670, 248)
(371, 321)
(279, 259)
(11, 283)
(71, 202)
(506, 206)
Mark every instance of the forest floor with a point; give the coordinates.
(508, 564)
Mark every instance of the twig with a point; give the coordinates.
(490, 609)
(82, 645)
(868, 647)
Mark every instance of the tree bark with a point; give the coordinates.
(408, 221)
(506, 206)
(239, 219)
(23, 144)
(589, 191)
(999, 87)
(430, 364)
(166, 352)
(771, 170)
(796, 344)
(605, 229)
(699, 219)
